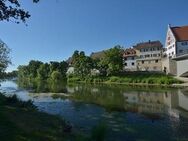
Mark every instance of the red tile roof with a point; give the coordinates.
(148, 44)
(180, 33)
(129, 52)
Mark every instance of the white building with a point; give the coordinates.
(176, 41)
(129, 59)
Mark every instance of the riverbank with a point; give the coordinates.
(133, 78)
(20, 121)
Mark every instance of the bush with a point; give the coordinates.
(14, 100)
(74, 79)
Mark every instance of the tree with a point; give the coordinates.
(11, 9)
(43, 71)
(54, 66)
(63, 67)
(113, 59)
(56, 76)
(82, 64)
(33, 66)
(75, 57)
(4, 57)
(23, 76)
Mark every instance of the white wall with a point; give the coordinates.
(170, 48)
(182, 67)
(129, 62)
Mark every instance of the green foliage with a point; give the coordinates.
(10, 75)
(4, 58)
(99, 132)
(113, 59)
(36, 74)
(56, 76)
(82, 63)
(43, 71)
(130, 78)
(15, 101)
(20, 121)
(11, 9)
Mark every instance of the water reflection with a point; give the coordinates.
(146, 100)
(131, 113)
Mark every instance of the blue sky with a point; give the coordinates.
(58, 27)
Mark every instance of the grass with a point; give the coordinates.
(144, 78)
(20, 121)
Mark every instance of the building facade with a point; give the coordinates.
(149, 56)
(129, 60)
(176, 45)
(176, 41)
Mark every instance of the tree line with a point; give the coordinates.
(109, 64)
(37, 70)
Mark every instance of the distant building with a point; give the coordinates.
(176, 41)
(129, 59)
(149, 56)
(70, 71)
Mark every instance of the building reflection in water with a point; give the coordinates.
(169, 102)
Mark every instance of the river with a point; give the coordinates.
(129, 113)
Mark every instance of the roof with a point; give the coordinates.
(129, 52)
(180, 33)
(148, 44)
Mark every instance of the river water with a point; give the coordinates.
(129, 113)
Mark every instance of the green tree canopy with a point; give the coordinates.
(82, 64)
(113, 59)
(4, 57)
(11, 10)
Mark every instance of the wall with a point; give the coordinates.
(170, 44)
(171, 66)
(149, 65)
(182, 67)
(129, 62)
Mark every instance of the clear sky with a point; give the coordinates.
(58, 27)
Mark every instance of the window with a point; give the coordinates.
(180, 51)
(132, 64)
(184, 43)
(142, 62)
(132, 58)
(147, 56)
(156, 61)
(125, 64)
